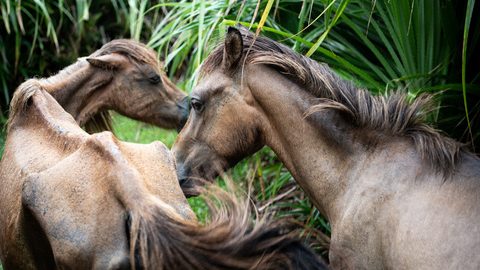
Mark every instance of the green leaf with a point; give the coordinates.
(468, 18)
(338, 14)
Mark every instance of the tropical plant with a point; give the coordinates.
(414, 45)
(39, 37)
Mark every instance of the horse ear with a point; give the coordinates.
(108, 61)
(233, 49)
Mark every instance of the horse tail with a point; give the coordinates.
(159, 239)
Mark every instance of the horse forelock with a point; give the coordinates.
(392, 114)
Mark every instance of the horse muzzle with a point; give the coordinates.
(187, 183)
(184, 108)
(189, 188)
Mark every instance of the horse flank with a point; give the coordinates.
(391, 115)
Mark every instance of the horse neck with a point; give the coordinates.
(74, 88)
(319, 150)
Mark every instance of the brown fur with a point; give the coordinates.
(397, 194)
(231, 240)
(115, 77)
(79, 201)
(390, 115)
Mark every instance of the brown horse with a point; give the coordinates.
(398, 194)
(79, 201)
(124, 76)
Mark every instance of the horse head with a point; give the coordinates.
(225, 124)
(124, 76)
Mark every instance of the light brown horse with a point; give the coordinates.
(397, 193)
(70, 200)
(124, 76)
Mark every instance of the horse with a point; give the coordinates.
(124, 76)
(398, 194)
(73, 200)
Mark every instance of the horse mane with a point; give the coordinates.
(392, 114)
(231, 240)
(101, 121)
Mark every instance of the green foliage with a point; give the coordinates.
(38, 38)
(183, 35)
(418, 46)
(468, 17)
(133, 131)
(381, 45)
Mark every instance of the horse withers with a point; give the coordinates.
(397, 193)
(70, 200)
(124, 76)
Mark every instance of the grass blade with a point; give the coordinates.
(339, 13)
(264, 17)
(468, 17)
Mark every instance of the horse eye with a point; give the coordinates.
(155, 79)
(197, 105)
